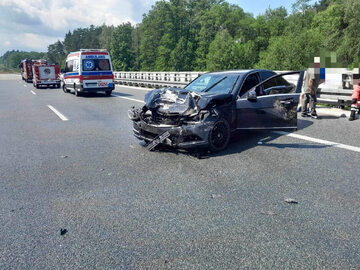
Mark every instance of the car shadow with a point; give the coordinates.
(302, 123)
(332, 117)
(103, 95)
(240, 142)
(122, 94)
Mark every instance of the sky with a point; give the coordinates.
(32, 25)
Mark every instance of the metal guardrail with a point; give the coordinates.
(339, 97)
(331, 93)
(155, 79)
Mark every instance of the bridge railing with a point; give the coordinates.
(331, 92)
(155, 79)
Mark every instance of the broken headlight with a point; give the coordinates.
(197, 117)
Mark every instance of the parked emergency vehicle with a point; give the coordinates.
(88, 70)
(45, 75)
(26, 70)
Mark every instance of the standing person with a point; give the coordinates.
(355, 101)
(312, 81)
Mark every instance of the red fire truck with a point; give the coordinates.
(45, 75)
(26, 70)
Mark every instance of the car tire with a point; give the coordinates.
(37, 86)
(65, 89)
(76, 93)
(108, 93)
(219, 136)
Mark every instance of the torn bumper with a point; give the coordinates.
(185, 136)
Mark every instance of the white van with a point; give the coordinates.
(90, 71)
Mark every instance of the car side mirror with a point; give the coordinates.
(252, 95)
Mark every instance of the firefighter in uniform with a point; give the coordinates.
(355, 101)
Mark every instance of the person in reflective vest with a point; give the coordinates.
(355, 101)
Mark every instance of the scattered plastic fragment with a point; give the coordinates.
(214, 196)
(292, 201)
(63, 231)
(64, 156)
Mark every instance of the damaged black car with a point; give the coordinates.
(215, 105)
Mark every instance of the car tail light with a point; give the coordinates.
(81, 78)
(113, 77)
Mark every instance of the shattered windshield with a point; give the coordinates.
(213, 83)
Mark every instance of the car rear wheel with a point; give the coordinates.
(65, 89)
(108, 93)
(219, 136)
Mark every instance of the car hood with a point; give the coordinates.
(177, 101)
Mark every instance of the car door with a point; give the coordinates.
(272, 104)
(247, 115)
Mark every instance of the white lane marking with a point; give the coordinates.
(132, 99)
(61, 116)
(135, 87)
(320, 141)
(32, 92)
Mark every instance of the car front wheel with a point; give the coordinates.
(219, 136)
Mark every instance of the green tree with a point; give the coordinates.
(182, 55)
(330, 25)
(105, 36)
(220, 54)
(349, 49)
(121, 47)
(56, 53)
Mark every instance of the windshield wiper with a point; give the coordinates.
(212, 86)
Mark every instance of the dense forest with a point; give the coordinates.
(185, 35)
(11, 59)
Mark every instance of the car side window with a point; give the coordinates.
(69, 67)
(266, 74)
(76, 65)
(280, 85)
(249, 83)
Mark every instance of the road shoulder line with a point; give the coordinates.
(132, 99)
(319, 141)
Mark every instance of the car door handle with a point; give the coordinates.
(287, 102)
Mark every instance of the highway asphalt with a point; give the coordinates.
(120, 206)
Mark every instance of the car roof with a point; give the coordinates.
(240, 71)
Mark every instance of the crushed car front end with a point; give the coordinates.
(174, 112)
(185, 135)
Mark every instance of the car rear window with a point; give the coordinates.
(95, 64)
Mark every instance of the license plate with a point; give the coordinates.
(102, 84)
